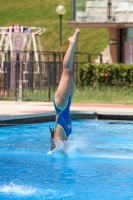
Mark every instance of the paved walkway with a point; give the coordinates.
(9, 108)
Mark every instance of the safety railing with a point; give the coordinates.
(26, 80)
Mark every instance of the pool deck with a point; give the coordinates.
(30, 112)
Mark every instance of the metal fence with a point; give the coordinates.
(24, 79)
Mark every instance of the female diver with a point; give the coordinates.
(63, 97)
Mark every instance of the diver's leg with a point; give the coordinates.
(72, 86)
(66, 86)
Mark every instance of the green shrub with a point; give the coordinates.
(88, 74)
(106, 74)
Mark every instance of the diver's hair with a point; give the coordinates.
(52, 137)
(52, 132)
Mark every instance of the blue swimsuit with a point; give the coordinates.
(64, 119)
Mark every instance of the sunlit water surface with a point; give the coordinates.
(98, 163)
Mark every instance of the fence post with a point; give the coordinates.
(31, 81)
(89, 58)
(101, 58)
(54, 70)
(48, 75)
(20, 91)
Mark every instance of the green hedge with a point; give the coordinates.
(107, 74)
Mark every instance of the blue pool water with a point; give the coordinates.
(98, 163)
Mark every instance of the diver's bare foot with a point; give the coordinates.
(74, 38)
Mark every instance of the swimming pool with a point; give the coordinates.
(98, 163)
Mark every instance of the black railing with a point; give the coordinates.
(23, 78)
(109, 9)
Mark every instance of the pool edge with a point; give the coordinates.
(50, 116)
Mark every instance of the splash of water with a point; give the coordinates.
(13, 188)
(74, 147)
(24, 190)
